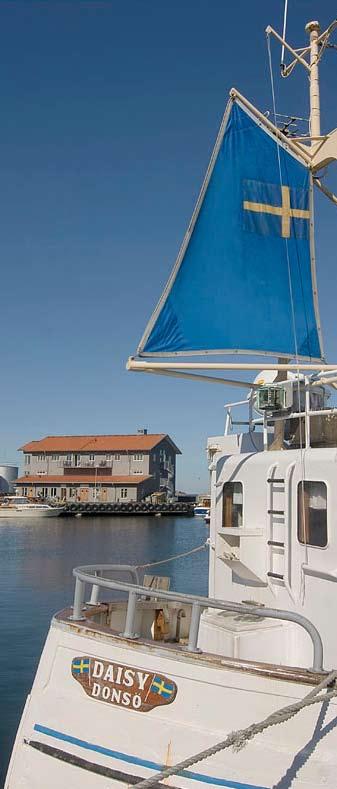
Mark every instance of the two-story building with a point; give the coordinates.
(99, 468)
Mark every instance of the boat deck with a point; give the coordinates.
(98, 622)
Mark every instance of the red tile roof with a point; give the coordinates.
(54, 479)
(113, 443)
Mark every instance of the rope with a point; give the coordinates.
(238, 739)
(171, 558)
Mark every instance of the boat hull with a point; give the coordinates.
(201, 511)
(11, 512)
(74, 732)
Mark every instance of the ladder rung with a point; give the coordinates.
(276, 575)
(275, 543)
(274, 479)
(275, 512)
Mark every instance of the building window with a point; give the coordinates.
(44, 493)
(312, 526)
(117, 457)
(53, 492)
(69, 458)
(55, 457)
(232, 504)
(40, 457)
(25, 491)
(27, 460)
(154, 457)
(138, 456)
(124, 493)
(138, 471)
(91, 457)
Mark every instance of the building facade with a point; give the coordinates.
(108, 468)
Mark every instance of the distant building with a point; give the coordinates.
(8, 477)
(103, 468)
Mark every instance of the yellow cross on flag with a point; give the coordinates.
(294, 204)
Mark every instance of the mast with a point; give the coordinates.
(313, 28)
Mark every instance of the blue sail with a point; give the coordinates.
(243, 280)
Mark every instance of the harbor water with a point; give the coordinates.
(36, 562)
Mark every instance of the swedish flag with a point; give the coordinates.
(80, 665)
(162, 688)
(275, 209)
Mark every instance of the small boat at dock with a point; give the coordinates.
(200, 510)
(22, 507)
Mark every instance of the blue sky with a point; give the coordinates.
(109, 112)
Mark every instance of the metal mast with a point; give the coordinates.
(313, 28)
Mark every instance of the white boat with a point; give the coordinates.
(22, 507)
(200, 510)
(236, 689)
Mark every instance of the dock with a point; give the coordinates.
(129, 508)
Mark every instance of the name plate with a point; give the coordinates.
(123, 686)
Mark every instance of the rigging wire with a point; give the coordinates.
(280, 174)
(302, 452)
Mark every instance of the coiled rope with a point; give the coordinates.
(238, 739)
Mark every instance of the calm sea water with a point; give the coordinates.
(36, 562)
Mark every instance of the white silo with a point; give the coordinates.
(8, 475)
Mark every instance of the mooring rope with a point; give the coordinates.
(171, 558)
(238, 739)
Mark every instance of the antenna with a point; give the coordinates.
(322, 149)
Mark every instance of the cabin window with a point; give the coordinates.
(312, 527)
(232, 501)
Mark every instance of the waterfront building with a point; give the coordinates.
(107, 468)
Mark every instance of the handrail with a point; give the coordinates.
(92, 574)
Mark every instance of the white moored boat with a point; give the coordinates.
(237, 689)
(200, 510)
(22, 507)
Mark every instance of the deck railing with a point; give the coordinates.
(94, 575)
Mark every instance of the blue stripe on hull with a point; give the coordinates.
(124, 757)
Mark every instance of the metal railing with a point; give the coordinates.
(93, 575)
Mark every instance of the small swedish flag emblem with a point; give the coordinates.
(80, 665)
(162, 688)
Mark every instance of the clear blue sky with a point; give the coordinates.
(109, 112)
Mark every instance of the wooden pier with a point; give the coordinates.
(130, 508)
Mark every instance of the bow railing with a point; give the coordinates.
(94, 576)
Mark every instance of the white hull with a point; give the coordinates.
(68, 738)
(29, 512)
